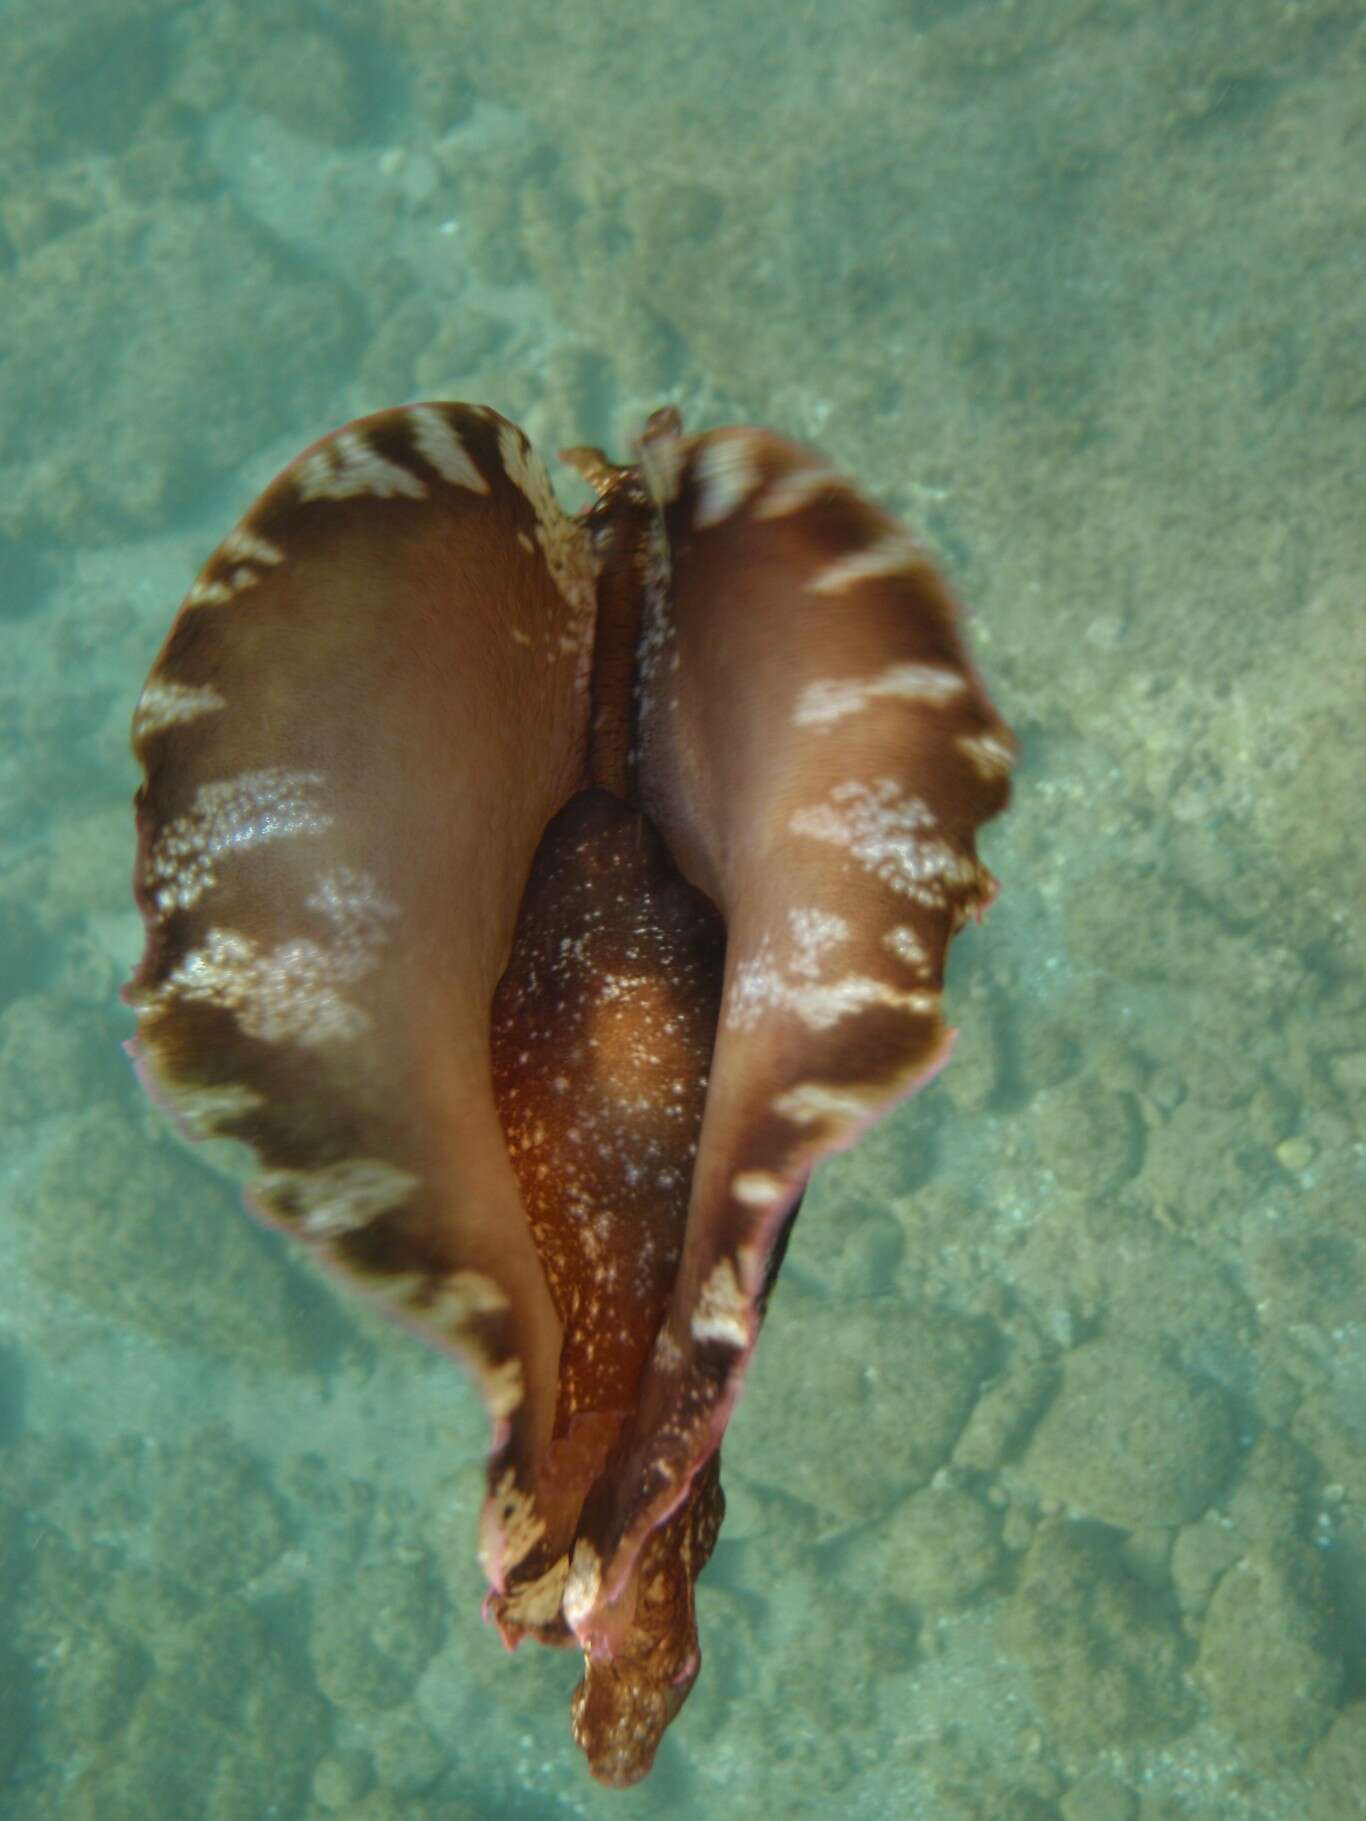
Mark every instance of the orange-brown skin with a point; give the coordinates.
(540, 899)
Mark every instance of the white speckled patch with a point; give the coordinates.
(893, 834)
(759, 987)
(229, 816)
(901, 940)
(291, 993)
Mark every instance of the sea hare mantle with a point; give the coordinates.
(539, 898)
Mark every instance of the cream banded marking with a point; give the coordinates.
(339, 1197)
(538, 1602)
(887, 556)
(760, 987)
(501, 1386)
(467, 1294)
(346, 465)
(509, 1529)
(758, 1188)
(792, 492)
(244, 545)
(164, 704)
(722, 1310)
(214, 593)
(438, 443)
(204, 1111)
(822, 704)
(992, 757)
(812, 1101)
(727, 470)
(668, 1355)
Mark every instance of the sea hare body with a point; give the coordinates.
(539, 899)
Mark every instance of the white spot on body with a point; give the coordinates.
(759, 987)
(762, 984)
(205, 593)
(236, 565)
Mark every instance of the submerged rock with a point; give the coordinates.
(1131, 1441)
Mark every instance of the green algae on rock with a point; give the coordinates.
(1104, 1658)
(857, 1401)
(1129, 1440)
(115, 395)
(1268, 1659)
(220, 1288)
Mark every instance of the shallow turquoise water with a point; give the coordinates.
(1048, 1498)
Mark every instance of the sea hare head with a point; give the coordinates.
(540, 899)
